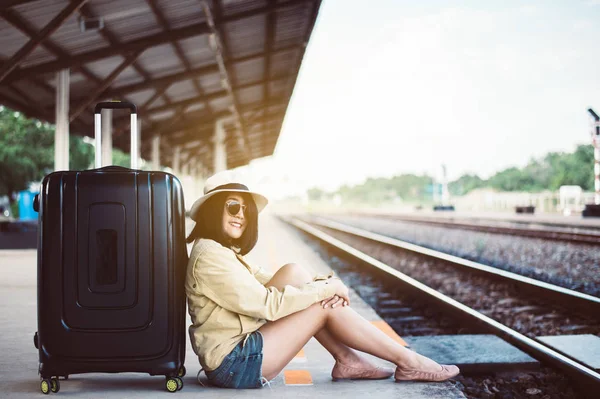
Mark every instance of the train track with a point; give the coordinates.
(581, 303)
(564, 234)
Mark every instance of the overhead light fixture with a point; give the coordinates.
(90, 24)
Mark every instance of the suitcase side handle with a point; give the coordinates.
(98, 130)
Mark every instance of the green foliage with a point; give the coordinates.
(14, 209)
(465, 183)
(81, 155)
(549, 173)
(380, 190)
(120, 158)
(26, 151)
(315, 194)
(554, 170)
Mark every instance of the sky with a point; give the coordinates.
(400, 86)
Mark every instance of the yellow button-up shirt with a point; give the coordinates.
(227, 300)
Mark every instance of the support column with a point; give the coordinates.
(220, 152)
(61, 134)
(176, 159)
(106, 124)
(156, 152)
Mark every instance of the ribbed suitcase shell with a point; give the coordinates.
(111, 270)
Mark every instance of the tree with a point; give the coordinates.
(315, 194)
(81, 154)
(26, 151)
(465, 183)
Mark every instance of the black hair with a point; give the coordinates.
(209, 223)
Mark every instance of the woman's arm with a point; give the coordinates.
(221, 277)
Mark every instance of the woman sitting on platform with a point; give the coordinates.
(248, 324)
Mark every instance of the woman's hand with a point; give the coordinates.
(341, 296)
(333, 302)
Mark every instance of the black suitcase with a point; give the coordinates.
(111, 270)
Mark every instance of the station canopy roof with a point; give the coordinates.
(184, 63)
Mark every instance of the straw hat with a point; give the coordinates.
(223, 182)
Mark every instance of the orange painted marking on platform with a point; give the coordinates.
(300, 354)
(297, 377)
(389, 331)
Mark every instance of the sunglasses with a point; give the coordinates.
(233, 207)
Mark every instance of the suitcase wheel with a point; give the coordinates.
(45, 386)
(54, 385)
(179, 383)
(181, 372)
(172, 384)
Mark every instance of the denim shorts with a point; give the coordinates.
(242, 367)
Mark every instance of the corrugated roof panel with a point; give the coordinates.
(158, 116)
(197, 51)
(40, 13)
(71, 39)
(161, 61)
(129, 22)
(245, 36)
(210, 83)
(39, 55)
(219, 104)
(282, 62)
(247, 71)
(278, 88)
(11, 39)
(140, 97)
(127, 77)
(230, 7)
(74, 78)
(195, 107)
(181, 13)
(159, 102)
(104, 67)
(250, 95)
(291, 26)
(79, 89)
(182, 90)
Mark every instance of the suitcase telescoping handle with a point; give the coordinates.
(98, 130)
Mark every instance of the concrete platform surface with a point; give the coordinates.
(473, 353)
(583, 347)
(307, 376)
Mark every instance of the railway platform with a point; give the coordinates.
(308, 375)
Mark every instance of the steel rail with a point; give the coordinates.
(555, 235)
(589, 378)
(584, 304)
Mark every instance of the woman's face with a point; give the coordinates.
(234, 225)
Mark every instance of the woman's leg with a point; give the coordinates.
(296, 275)
(343, 327)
